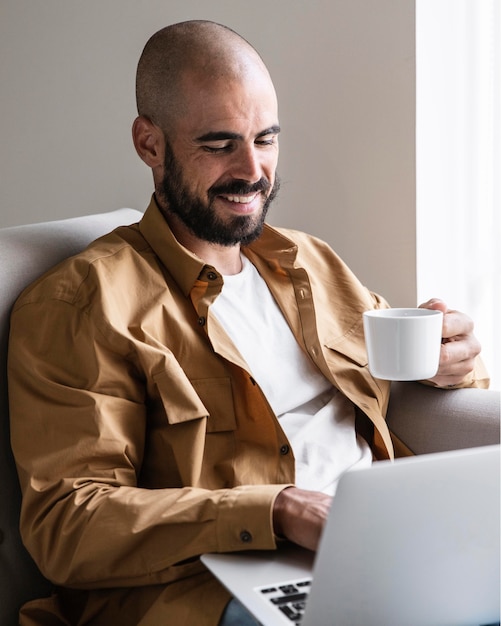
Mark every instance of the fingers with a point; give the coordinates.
(459, 353)
(459, 347)
(300, 515)
(457, 360)
(457, 324)
(435, 304)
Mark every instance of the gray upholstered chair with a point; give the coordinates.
(426, 419)
(25, 253)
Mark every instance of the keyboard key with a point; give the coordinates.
(282, 600)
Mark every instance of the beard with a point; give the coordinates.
(200, 217)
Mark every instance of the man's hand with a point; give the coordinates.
(459, 349)
(299, 515)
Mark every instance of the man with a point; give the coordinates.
(196, 382)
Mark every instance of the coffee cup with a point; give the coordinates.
(403, 344)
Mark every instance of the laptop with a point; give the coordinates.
(414, 542)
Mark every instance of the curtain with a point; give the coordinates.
(458, 139)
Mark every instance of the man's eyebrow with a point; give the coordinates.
(221, 135)
(272, 130)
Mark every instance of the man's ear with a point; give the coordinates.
(149, 141)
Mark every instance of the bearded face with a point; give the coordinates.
(199, 214)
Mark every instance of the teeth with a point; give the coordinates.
(241, 199)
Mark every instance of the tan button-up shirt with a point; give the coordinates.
(141, 438)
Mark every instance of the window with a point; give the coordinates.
(458, 163)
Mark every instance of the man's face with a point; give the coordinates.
(219, 172)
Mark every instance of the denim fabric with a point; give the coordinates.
(236, 615)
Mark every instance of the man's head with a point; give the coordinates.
(208, 128)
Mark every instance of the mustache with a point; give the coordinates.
(239, 188)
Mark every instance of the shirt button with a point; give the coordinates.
(211, 275)
(284, 450)
(245, 536)
(201, 321)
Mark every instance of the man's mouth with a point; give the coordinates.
(240, 199)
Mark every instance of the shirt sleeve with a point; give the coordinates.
(78, 413)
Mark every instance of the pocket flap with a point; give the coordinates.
(186, 400)
(179, 398)
(351, 345)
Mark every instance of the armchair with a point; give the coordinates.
(425, 419)
(25, 253)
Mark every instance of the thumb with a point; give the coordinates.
(435, 304)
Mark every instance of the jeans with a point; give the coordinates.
(236, 615)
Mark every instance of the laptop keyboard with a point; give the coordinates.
(289, 598)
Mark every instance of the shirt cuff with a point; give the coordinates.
(245, 518)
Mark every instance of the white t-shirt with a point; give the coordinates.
(317, 419)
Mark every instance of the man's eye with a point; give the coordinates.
(217, 148)
(269, 140)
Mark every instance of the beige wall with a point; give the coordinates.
(344, 71)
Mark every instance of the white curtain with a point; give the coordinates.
(458, 162)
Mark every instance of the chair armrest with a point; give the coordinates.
(427, 419)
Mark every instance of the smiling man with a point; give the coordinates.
(196, 382)
(214, 149)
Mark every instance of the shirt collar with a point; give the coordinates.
(184, 266)
(272, 246)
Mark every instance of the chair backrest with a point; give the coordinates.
(26, 252)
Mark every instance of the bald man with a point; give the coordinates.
(196, 382)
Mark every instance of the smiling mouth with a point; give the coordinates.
(240, 199)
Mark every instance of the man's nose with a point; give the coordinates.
(247, 164)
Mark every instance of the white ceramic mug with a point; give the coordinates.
(403, 344)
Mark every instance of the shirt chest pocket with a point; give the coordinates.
(351, 347)
(185, 400)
